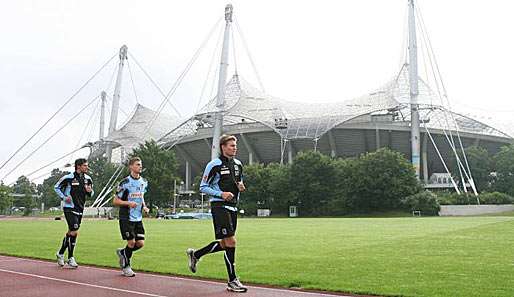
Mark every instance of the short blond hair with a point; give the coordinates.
(134, 160)
(226, 138)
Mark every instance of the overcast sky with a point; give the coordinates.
(315, 51)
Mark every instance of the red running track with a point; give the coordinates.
(20, 277)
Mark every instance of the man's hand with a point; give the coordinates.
(227, 196)
(146, 209)
(132, 204)
(67, 199)
(89, 189)
(241, 186)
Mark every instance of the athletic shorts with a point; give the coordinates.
(225, 222)
(132, 230)
(73, 220)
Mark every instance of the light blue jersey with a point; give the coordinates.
(222, 175)
(133, 190)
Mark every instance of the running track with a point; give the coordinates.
(27, 277)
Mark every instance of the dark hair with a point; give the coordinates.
(134, 160)
(226, 138)
(79, 162)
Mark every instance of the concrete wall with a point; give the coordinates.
(96, 211)
(469, 210)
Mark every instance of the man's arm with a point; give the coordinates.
(120, 192)
(89, 187)
(58, 186)
(118, 202)
(205, 185)
(240, 185)
(241, 173)
(145, 209)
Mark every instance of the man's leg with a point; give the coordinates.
(139, 231)
(64, 244)
(212, 247)
(60, 253)
(233, 284)
(218, 219)
(69, 241)
(127, 233)
(72, 241)
(139, 244)
(73, 233)
(127, 252)
(229, 245)
(137, 241)
(69, 221)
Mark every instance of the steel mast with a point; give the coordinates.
(413, 84)
(222, 80)
(116, 100)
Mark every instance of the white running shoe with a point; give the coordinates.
(236, 286)
(72, 263)
(60, 259)
(127, 271)
(192, 259)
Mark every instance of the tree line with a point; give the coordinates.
(316, 184)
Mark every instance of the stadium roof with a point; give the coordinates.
(292, 120)
(142, 125)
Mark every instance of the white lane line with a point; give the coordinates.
(8, 260)
(80, 284)
(204, 281)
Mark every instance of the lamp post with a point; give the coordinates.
(174, 196)
(202, 194)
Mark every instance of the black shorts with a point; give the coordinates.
(225, 222)
(132, 230)
(73, 220)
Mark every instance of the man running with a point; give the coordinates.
(73, 189)
(223, 181)
(130, 199)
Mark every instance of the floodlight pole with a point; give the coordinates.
(116, 100)
(413, 83)
(174, 196)
(202, 194)
(222, 80)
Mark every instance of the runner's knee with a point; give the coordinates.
(131, 243)
(229, 242)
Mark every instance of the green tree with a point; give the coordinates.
(161, 171)
(481, 165)
(257, 189)
(424, 201)
(5, 198)
(267, 186)
(313, 183)
(340, 205)
(46, 189)
(101, 171)
(27, 189)
(280, 196)
(504, 162)
(378, 181)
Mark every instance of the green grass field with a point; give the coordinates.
(471, 256)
